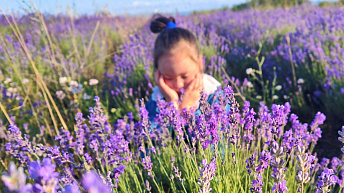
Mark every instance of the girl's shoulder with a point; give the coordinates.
(156, 93)
(210, 84)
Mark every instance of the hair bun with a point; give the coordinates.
(159, 22)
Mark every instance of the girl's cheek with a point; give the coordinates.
(188, 82)
(168, 83)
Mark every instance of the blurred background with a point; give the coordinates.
(134, 7)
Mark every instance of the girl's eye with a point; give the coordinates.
(184, 77)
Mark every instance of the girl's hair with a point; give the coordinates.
(170, 37)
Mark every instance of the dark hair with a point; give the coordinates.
(169, 38)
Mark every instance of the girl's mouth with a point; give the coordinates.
(179, 93)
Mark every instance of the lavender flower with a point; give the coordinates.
(207, 173)
(144, 118)
(250, 163)
(15, 179)
(117, 173)
(91, 182)
(147, 165)
(318, 120)
(278, 164)
(326, 179)
(148, 188)
(233, 157)
(304, 165)
(264, 159)
(335, 162)
(280, 186)
(340, 181)
(248, 119)
(44, 175)
(178, 174)
(257, 184)
(341, 138)
(71, 188)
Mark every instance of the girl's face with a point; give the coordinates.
(178, 67)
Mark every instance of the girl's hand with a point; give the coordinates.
(192, 92)
(169, 94)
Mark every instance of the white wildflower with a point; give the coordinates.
(25, 81)
(7, 80)
(12, 90)
(63, 80)
(275, 97)
(258, 97)
(73, 83)
(60, 94)
(300, 81)
(86, 96)
(93, 82)
(278, 87)
(249, 84)
(249, 71)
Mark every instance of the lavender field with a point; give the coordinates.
(73, 117)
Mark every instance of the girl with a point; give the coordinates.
(178, 67)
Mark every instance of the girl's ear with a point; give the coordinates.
(200, 59)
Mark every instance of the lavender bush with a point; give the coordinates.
(131, 157)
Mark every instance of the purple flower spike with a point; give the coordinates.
(147, 165)
(250, 163)
(278, 166)
(207, 173)
(304, 165)
(257, 184)
(341, 138)
(148, 188)
(326, 179)
(178, 174)
(280, 186)
(96, 98)
(119, 169)
(117, 173)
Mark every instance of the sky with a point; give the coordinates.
(119, 7)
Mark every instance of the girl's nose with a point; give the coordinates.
(179, 84)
